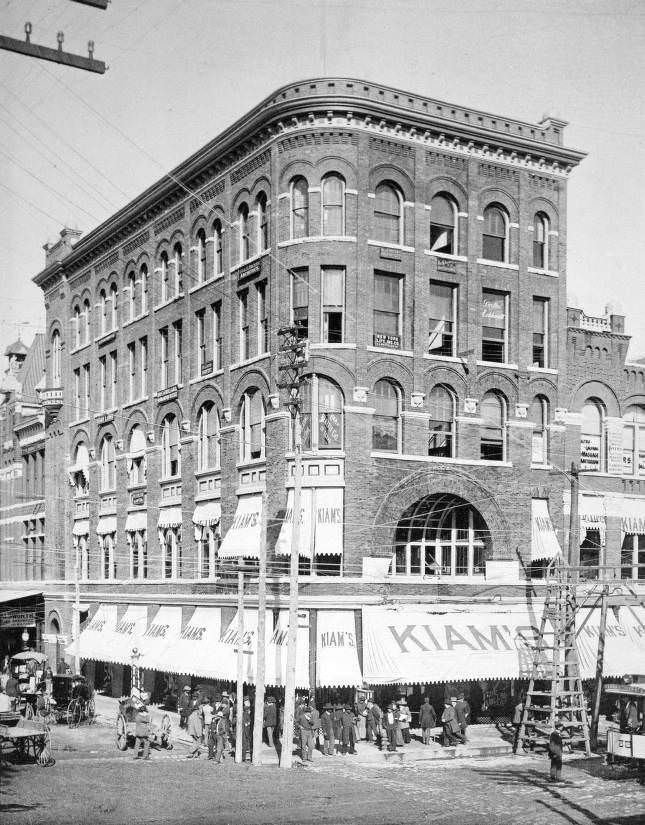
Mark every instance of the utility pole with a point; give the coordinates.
(260, 659)
(77, 614)
(240, 662)
(295, 352)
(573, 555)
(595, 714)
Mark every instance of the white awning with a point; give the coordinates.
(136, 521)
(78, 468)
(207, 513)
(196, 649)
(376, 567)
(321, 523)
(544, 542)
(11, 595)
(243, 537)
(336, 653)
(137, 446)
(624, 641)
(162, 631)
(170, 517)
(632, 511)
(105, 525)
(591, 510)
(94, 640)
(81, 527)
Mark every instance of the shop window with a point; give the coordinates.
(386, 421)
(632, 557)
(634, 441)
(333, 205)
(299, 208)
(442, 323)
(495, 236)
(443, 225)
(494, 326)
(592, 437)
(493, 428)
(333, 304)
(387, 310)
(388, 214)
(441, 426)
(322, 415)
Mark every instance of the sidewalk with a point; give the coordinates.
(483, 741)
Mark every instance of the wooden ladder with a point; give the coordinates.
(555, 694)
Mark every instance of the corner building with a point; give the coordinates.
(420, 247)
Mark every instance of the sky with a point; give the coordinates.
(76, 146)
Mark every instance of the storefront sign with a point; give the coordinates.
(444, 265)
(589, 453)
(387, 341)
(18, 618)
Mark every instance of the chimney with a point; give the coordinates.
(61, 249)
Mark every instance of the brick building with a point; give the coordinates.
(420, 247)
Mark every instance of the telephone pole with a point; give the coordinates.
(260, 659)
(573, 554)
(295, 353)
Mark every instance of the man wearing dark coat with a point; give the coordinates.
(305, 719)
(391, 723)
(347, 731)
(270, 720)
(327, 725)
(372, 721)
(462, 709)
(183, 705)
(555, 753)
(338, 726)
(427, 720)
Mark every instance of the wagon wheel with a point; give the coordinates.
(29, 711)
(121, 733)
(90, 711)
(74, 711)
(165, 732)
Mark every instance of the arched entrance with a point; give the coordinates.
(441, 536)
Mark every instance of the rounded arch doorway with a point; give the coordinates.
(441, 536)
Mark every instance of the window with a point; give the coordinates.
(78, 331)
(143, 275)
(86, 320)
(333, 205)
(495, 237)
(388, 214)
(202, 354)
(56, 359)
(208, 452)
(201, 256)
(387, 310)
(263, 319)
(333, 297)
(299, 208)
(84, 557)
(138, 544)
(632, 557)
(216, 310)
(80, 470)
(207, 546)
(132, 296)
(494, 326)
(132, 371)
(441, 426)
(541, 241)
(108, 556)
(386, 422)
(170, 449)
(540, 332)
(493, 428)
(300, 301)
(218, 248)
(252, 426)
(322, 415)
(103, 372)
(243, 310)
(634, 442)
(165, 278)
(539, 415)
(178, 348)
(137, 456)
(108, 464)
(104, 311)
(163, 344)
(113, 380)
(114, 307)
(86, 390)
(143, 389)
(170, 540)
(443, 225)
(443, 317)
(592, 447)
(263, 223)
(77, 393)
(245, 240)
(178, 260)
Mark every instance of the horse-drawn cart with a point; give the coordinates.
(160, 734)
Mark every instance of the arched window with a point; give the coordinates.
(208, 449)
(104, 311)
(388, 214)
(539, 415)
(386, 422)
(56, 359)
(87, 321)
(108, 464)
(541, 241)
(493, 428)
(592, 441)
(243, 224)
(178, 257)
(79, 472)
(165, 285)
(108, 565)
(170, 449)
(263, 222)
(218, 249)
(441, 426)
(137, 456)
(143, 275)
(132, 293)
(495, 237)
(634, 441)
(299, 208)
(322, 415)
(252, 425)
(201, 256)
(114, 307)
(333, 204)
(443, 225)
(78, 329)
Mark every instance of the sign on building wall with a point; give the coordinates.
(589, 452)
(18, 618)
(615, 447)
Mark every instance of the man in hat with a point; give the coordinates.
(451, 730)
(142, 728)
(347, 721)
(183, 705)
(555, 753)
(427, 720)
(219, 732)
(246, 729)
(391, 724)
(270, 719)
(462, 709)
(372, 721)
(195, 726)
(327, 725)
(305, 720)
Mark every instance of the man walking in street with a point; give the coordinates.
(427, 720)
(142, 729)
(462, 710)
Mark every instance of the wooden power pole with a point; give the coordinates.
(260, 659)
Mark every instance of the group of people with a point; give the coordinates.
(211, 721)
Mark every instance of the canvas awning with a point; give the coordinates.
(170, 517)
(81, 527)
(93, 643)
(336, 653)
(624, 641)
(243, 537)
(206, 514)
(195, 649)
(138, 520)
(632, 512)
(162, 631)
(591, 510)
(106, 525)
(544, 542)
(78, 468)
(13, 595)
(376, 567)
(321, 523)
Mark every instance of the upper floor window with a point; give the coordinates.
(201, 256)
(333, 304)
(56, 359)
(299, 208)
(539, 415)
(170, 447)
(300, 301)
(494, 326)
(322, 415)
(495, 237)
(252, 425)
(218, 249)
(86, 320)
(218, 341)
(178, 260)
(164, 367)
(540, 355)
(493, 428)
(245, 240)
(442, 323)
(80, 476)
(388, 214)
(443, 225)
(263, 222)
(108, 464)
(333, 204)
(387, 310)
(541, 241)
(178, 347)
(132, 295)
(103, 307)
(208, 449)
(262, 318)
(202, 353)
(634, 441)
(137, 456)
(243, 318)
(165, 277)
(592, 440)
(114, 306)
(143, 286)
(78, 331)
(386, 422)
(441, 426)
